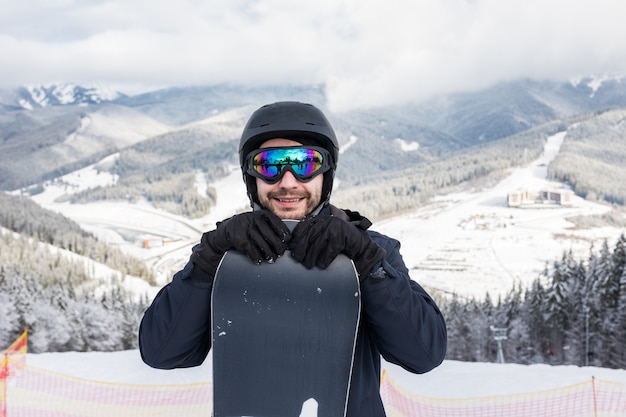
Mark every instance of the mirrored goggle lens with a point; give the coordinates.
(271, 163)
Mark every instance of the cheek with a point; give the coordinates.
(261, 186)
(315, 186)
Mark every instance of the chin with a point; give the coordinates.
(291, 215)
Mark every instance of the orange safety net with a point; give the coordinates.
(592, 398)
(34, 392)
(37, 393)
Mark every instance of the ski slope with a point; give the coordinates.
(468, 243)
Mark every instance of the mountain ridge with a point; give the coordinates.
(31, 97)
(183, 131)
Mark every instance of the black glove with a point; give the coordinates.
(260, 235)
(318, 241)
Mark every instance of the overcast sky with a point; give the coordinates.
(365, 51)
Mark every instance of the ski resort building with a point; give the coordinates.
(527, 198)
(150, 243)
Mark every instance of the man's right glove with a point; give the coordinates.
(260, 235)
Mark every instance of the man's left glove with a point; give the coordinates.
(318, 240)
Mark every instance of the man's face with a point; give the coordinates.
(289, 198)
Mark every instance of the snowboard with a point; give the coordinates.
(283, 337)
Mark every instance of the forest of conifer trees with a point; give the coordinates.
(52, 294)
(574, 314)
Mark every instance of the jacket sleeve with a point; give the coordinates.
(408, 327)
(175, 331)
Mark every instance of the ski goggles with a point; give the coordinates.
(305, 163)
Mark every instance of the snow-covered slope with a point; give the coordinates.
(133, 226)
(472, 242)
(467, 243)
(112, 127)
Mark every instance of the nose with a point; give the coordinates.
(288, 180)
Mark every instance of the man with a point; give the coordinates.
(399, 320)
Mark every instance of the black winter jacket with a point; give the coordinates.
(399, 321)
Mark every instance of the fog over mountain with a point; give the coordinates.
(368, 54)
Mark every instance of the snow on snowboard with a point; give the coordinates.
(283, 337)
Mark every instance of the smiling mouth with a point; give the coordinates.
(289, 200)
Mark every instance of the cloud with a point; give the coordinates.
(367, 52)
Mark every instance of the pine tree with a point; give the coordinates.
(620, 360)
(606, 298)
(9, 316)
(479, 336)
(533, 317)
(575, 334)
(557, 311)
(618, 322)
(458, 330)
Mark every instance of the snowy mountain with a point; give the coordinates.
(390, 139)
(46, 95)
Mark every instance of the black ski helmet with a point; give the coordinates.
(301, 122)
